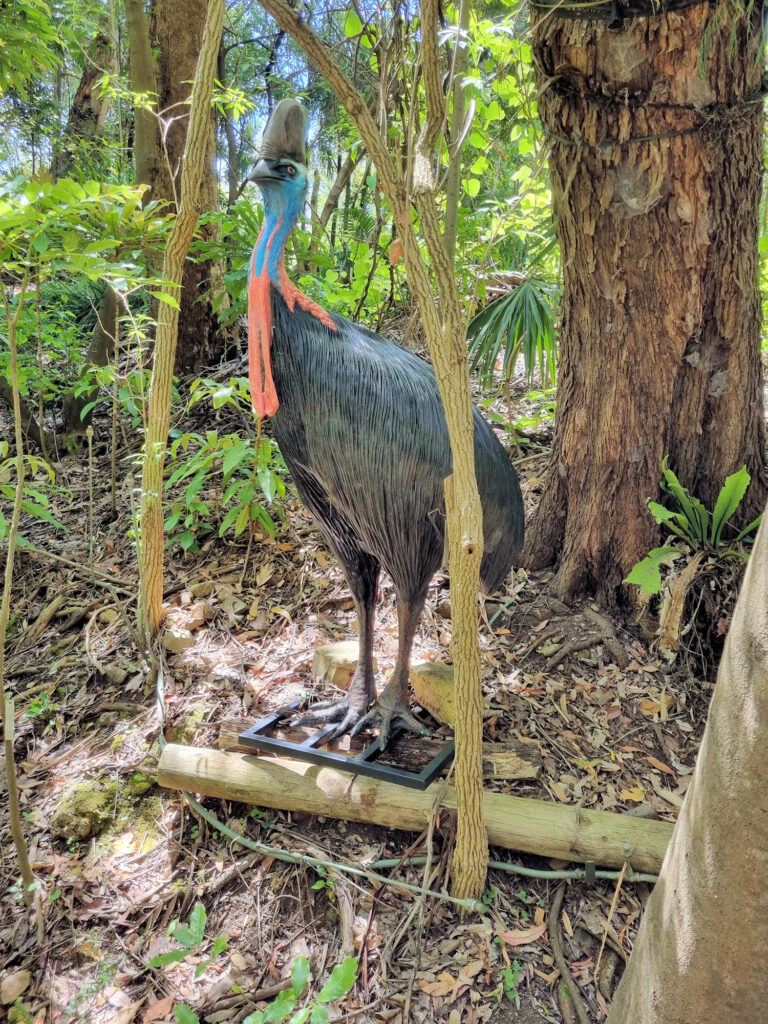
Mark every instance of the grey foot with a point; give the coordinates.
(384, 714)
(347, 714)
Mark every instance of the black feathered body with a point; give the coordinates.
(361, 427)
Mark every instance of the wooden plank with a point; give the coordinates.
(515, 823)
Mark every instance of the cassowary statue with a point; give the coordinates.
(360, 424)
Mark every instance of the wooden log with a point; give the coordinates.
(516, 823)
(503, 761)
(336, 663)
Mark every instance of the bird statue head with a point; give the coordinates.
(281, 170)
(281, 174)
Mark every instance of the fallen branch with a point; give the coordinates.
(531, 826)
(556, 942)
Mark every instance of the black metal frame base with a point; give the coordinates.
(364, 764)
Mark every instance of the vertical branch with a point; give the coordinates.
(444, 328)
(453, 178)
(14, 811)
(192, 177)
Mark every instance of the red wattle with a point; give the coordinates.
(263, 391)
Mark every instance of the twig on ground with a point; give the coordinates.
(556, 941)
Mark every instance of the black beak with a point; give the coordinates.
(264, 171)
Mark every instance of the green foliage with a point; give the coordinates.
(523, 323)
(132, 388)
(29, 46)
(694, 525)
(510, 979)
(190, 937)
(315, 1011)
(39, 491)
(40, 705)
(340, 982)
(239, 477)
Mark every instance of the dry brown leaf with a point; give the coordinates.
(660, 765)
(126, 1014)
(651, 706)
(567, 926)
(158, 1010)
(560, 791)
(436, 988)
(523, 937)
(671, 798)
(396, 251)
(12, 986)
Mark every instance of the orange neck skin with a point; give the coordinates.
(267, 267)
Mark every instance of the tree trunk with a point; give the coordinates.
(700, 951)
(178, 31)
(453, 178)
(90, 106)
(193, 200)
(657, 147)
(146, 150)
(146, 137)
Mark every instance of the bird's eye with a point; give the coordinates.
(290, 170)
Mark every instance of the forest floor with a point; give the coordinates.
(614, 726)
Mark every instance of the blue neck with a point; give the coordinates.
(280, 220)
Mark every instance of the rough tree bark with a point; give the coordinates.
(656, 129)
(146, 136)
(700, 951)
(193, 197)
(90, 105)
(178, 31)
(446, 335)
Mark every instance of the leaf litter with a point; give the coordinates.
(617, 728)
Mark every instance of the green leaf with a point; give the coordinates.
(341, 980)
(694, 512)
(300, 1016)
(243, 518)
(229, 518)
(646, 573)
(728, 500)
(191, 935)
(184, 1015)
(319, 1015)
(353, 26)
(219, 945)
(472, 186)
(748, 529)
(300, 973)
(281, 1007)
(234, 457)
(174, 957)
(170, 300)
(202, 967)
(255, 1018)
(41, 242)
(659, 513)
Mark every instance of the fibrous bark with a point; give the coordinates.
(657, 148)
(178, 31)
(192, 201)
(90, 106)
(700, 952)
(446, 335)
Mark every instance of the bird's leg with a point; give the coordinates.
(362, 688)
(392, 704)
